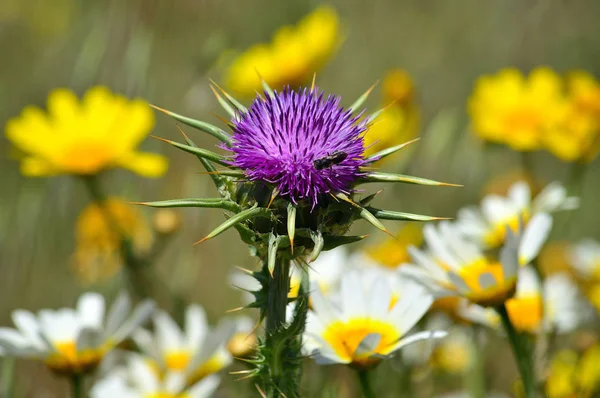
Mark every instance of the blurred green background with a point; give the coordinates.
(165, 52)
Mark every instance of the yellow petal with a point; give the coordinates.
(63, 107)
(37, 167)
(145, 164)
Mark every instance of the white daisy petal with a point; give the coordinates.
(90, 309)
(534, 237)
(205, 387)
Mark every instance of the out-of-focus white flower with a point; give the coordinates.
(196, 350)
(139, 379)
(487, 225)
(454, 266)
(73, 341)
(584, 257)
(564, 305)
(361, 327)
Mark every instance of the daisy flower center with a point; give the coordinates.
(497, 234)
(67, 359)
(486, 282)
(345, 338)
(87, 157)
(177, 360)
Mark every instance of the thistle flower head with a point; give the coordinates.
(301, 142)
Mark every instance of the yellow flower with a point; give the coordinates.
(85, 137)
(294, 54)
(574, 376)
(392, 252)
(579, 139)
(518, 111)
(400, 121)
(526, 308)
(98, 256)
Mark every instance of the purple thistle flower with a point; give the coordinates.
(279, 139)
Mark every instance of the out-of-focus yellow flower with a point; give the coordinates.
(85, 137)
(400, 121)
(579, 139)
(553, 258)
(294, 54)
(572, 376)
(98, 256)
(509, 108)
(392, 252)
(454, 354)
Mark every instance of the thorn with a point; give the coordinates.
(261, 392)
(259, 95)
(215, 92)
(137, 203)
(235, 310)
(314, 79)
(219, 87)
(368, 92)
(412, 141)
(227, 122)
(334, 197)
(201, 240)
(182, 132)
(258, 74)
(161, 109)
(242, 372)
(161, 139)
(247, 271)
(274, 194)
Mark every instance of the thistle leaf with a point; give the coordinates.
(366, 215)
(237, 219)
(368, 199)
(272, 253)
(208, 128)
(333, 241)
(400, 216)
(291, 224)
(200, 152)
(215, 203)
(389, 151)
(235, 103)
(266, 87)
(361, 100)
(224, 104)
(390, 177)
(317, 238)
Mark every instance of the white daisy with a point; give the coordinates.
(196, 350)
(584, 257)
(565, 308)
(363, 328)
(454, 266)
(73, 341)
(139, 379)
(487, 225)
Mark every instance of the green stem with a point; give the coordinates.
(522, 353)
(476, 378)
(77, 386)
(278, 296)
(365, 384)
(139, 273)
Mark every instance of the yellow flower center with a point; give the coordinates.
(497, 235)
(523, 119)
(492, 295)
(242, 344)
(452, 357)
(345, 337)
(526, 313)
(86, 157)
(67, 360)
(177, 360)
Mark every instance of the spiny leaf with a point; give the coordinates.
(235, 103)
(200, 152)
(366, 215)
(215, 203)
(376, 114)
(389, 151)
(400, 216)
(390, 177)
(265, 85)
(236, 219)
(199, 125)
(333, 241)
(224, 104)
(317, 238)
(291, 224)
(361, 100)
(272, 253)
(228, 173)
(368, 199)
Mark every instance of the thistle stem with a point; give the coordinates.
(365, 384)
(278, 296)
(522, 353)
(77, 386)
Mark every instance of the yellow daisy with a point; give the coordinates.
(293, 55)
(400, 121)
(85, 137)
(509, 108)
(98, 253)
(573, 375)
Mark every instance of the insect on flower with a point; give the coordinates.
(336, 157)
